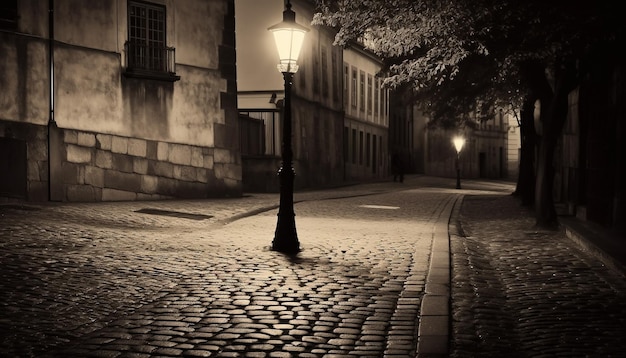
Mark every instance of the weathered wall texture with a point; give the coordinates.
(23, 79)
(122, 137)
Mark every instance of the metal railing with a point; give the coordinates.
(140, 56)
(259, 133)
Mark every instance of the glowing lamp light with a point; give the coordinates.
(288, 36)
(458, 143)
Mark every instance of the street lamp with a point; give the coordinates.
(458, 145)
(289, 37)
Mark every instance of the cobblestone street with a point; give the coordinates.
(518, 292)
(109, 280)
(198, 278)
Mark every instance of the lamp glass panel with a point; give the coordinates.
(458, 143)
(289, 43)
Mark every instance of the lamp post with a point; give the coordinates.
(289, 37)
(458, 145)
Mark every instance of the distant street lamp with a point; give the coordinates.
(458, 145)
(289, 37)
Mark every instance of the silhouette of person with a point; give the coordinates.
(397, 167)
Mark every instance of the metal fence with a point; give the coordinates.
(260, 132)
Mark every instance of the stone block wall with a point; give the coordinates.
(104, 167)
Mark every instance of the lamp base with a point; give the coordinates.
(286, 237)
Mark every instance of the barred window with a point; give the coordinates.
(324, 56)
(369, 94)
(353, 88)
(362, 91)
(335, 76)
(146, 49)
(376, 99)
(346, 80)
(316, 72)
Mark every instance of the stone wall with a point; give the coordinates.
(103, 167)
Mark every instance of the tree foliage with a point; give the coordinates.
(465, 57)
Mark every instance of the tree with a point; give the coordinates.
(471, 56)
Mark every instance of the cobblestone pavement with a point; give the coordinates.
(519, 292)
(198, 279)
(107, 280)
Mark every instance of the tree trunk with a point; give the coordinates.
(553, 117)
(545, 213)
(526, 177)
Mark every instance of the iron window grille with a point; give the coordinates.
(147, 54)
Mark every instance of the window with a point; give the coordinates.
(368, 139)
(374, 154)
(346, 145)
(346, 81)
(353, 146)
(369, 94)
(324, 72)
(8, 15)
(361, 147)
(334, 65)
(376, 98)
(302, 69)
(353, 88)
(385, 106)
(380, 147)
(147, 54)
(362, 91)
(316, 73)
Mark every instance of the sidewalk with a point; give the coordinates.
(522, 292)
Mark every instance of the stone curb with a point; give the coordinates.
(434, 320)
(601, 245)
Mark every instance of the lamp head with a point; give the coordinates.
(289, 37)
(458, 143)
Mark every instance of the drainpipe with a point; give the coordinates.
(51, 121)
(51, 56)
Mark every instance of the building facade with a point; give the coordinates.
(407, 131)
(484, 155)
(590, 159)
(118, 100)
(366, 122)
(333, 140)
(514, 144)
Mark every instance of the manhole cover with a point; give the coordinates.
(176, 214)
